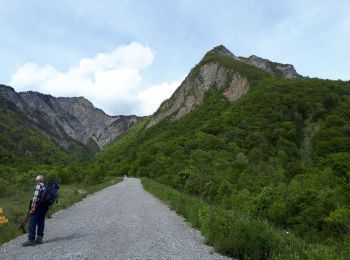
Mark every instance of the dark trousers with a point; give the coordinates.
(37, 220)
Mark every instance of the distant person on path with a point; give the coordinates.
(38, 213)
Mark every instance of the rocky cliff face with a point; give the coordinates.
(274, 68)
(191, 92)
(75, 117)
(209, 75)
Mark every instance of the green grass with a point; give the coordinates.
(16, 207)
(237, 234)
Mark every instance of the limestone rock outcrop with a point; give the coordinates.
(191, 92)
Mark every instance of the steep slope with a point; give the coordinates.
(280, 152)
(219, 69)
(77, 118)
(22, 144)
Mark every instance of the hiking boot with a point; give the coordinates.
(29, 243)
(39, 240)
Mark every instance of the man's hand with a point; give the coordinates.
(32, 211)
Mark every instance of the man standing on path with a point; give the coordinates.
(38, 213)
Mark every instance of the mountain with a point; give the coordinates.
(211, 73)
(255, 138)
(21, 143)
(63, 119)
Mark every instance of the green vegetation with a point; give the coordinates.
(237, 234)
(279, 154)
(21, 145)
(26, 153)
(15, 205)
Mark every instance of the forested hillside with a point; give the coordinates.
(25, 152)
(20, 143)
(280, 153)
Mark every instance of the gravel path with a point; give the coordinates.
(120, 222)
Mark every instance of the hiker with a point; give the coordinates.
(38, 213)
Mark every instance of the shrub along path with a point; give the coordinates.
(120, 222)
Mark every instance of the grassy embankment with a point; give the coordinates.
(15, 207)
(236, 234)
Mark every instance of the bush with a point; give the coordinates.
(238, 234)
(4, 184)
(234, 235)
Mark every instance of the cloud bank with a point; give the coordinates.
(111, 81)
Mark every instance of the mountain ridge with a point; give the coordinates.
(272, 67)
(73, 116)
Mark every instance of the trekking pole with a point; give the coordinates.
(24, 222)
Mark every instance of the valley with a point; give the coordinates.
(251, 153)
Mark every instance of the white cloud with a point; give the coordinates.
(151, 98)
(110, 81)
(31, 74)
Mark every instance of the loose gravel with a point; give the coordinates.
(122, 221)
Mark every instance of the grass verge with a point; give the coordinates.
(16, 207)
(238, 235)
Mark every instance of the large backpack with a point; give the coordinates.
(50, 194)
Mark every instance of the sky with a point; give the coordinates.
(126, 57)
